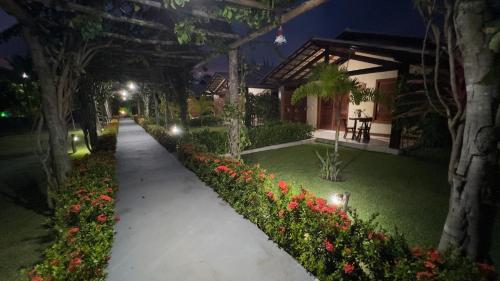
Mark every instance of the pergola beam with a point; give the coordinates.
(193, 11)
(302, 8)
(248, 3)
(139, 40)
(140, 22)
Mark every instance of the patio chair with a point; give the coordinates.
(348, 129)
(364, 131)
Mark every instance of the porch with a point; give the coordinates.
(376, 144)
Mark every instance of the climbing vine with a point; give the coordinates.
(187, 32)
(90, 26)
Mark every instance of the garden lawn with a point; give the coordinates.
(409, 194)
(23, 236)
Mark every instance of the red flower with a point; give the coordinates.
(328, 245)
(37, 278)
(110, 190)
(222, 168)
(310, 203)
(321, 202)
(101, 218)
(429, 265)
(283, 187)
(73, 264)
(106, 198)
(434, 256)
(486, 267)
(270, 195)
(75, 208)
(73, 230)
(348, 268)
(271, 176)
(292, 205)
(424, 275)
(262, 175)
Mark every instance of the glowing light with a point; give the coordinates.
(124, 98)
(76, 138)
(123, 93)
(175, 130)
(123, 112)
(4, 114)
(280, 37)
(132, 86)
(337, 199)
(25, 76)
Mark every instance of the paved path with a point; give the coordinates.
(174, 227)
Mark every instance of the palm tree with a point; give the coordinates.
(330, 81)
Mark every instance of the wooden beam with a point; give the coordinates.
(194, 11)
(373, 60)
(248, 3)
(372, 70)
(138, 40)
(138, 22)
(302, 8)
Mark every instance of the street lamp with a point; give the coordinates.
(132, 86)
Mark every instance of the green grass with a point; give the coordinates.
(23, 213)
(408, 193)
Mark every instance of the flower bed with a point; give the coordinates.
(84, 218)
(327, 241)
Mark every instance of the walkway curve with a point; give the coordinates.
(174, 227)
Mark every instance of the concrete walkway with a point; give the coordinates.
(174, 227)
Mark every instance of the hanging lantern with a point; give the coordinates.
(280, 37)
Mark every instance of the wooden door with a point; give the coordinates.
(382, 111)
(325, 114)
(293, 113)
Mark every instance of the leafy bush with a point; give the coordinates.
(277, 133)
(209, 141)
(84, 218)
(326, 240)
(205, 121)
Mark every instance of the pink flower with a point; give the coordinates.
(106, 198)
(434, 256)
(75, 208)
(73, 230)
(292, 205)
(429, 265)
(270, 195)
(328, 245)
(73, 264)
(424, 275)
(101, 218)
(348, 268)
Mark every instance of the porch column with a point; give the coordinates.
(281, 93)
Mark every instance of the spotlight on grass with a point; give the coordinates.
(175, 130)
(340, 199)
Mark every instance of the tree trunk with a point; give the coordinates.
(472, 207)
(234, 132)
(59, 161)
(157, 109)
(108, 109)
(145, 99)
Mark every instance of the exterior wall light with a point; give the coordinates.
(340, 199)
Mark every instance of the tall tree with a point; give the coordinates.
(468, 29)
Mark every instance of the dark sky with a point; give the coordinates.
(381, 16)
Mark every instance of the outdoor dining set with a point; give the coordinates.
(361, 134)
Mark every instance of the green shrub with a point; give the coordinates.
(277, 133)
(205, 121)
(209, 141)
(84, 218)
(327, 241)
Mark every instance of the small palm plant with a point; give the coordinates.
(331, 81)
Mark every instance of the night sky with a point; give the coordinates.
(397, 17)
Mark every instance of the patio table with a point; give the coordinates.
(364, 124)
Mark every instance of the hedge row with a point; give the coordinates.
(327, 241)
(217, 141)
(84, 218)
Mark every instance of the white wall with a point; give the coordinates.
(258, 91)
(370, 80)
(312, 111)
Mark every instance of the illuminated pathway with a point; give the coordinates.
(174, 227)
